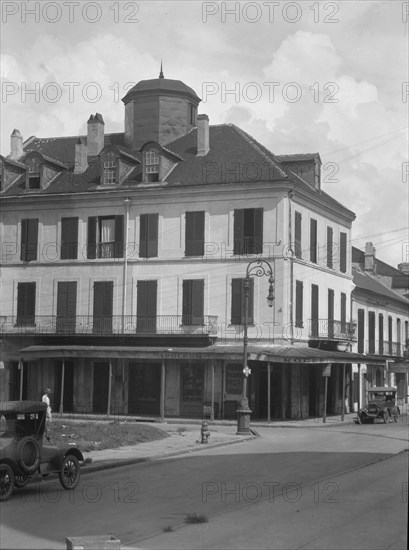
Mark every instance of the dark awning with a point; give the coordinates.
(234, 352)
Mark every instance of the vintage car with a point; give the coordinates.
(381, 404)
(23, 453)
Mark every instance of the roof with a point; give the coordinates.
(233, 352)
(162, 85)
(365, 281)
(22, 407)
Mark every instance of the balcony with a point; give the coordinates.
(131, 325)
(328, 329)
(376, 347)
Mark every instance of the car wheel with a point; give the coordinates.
(6, 481)
(28, 455)
(386, 417)
(395, 417)
(21, 481)
(70, 472)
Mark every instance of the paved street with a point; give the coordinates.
(287, 488)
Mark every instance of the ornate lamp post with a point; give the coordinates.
(258, 268)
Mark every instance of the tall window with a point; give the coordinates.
(330, 244)
(193, 302)
(313, 241)
(110, 168)
(343, 252)
(330, 313)
(105, 237)
(148, 235)
(238, 302)
(34, 173)
(152, 161)
(103, 307)
(314, 311)
(371, 332)
(361, 331)
(26, 302)
(380, 333)
(192, 114)
(194, 233)
(299, 291)
(248, 231)
(69, 238)
(146, 306)
(29, 239)
(343, 313)
(390, 330)
(297, 235)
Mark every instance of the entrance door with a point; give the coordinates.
(144, 388)
(68, 397)
(146, 306)
(101, 387)
(66, 307)
(103, 306)
(192, 382)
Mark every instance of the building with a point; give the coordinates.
(381, 308)
(124, 263)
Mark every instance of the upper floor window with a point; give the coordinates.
(330, 244)
(29, 239)
(248, 231)
(34, 173)
(343, 252)
(105, 237)
(297, 235)
(26, 302)
(194, 233)
(69, 238)
(152, 161)
(148, 235)
(238, 302)
(110, 168)
(299, 298)
(192, 114)
(193, 302)
(313, 241)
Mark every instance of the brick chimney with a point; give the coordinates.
(369, 265)
(95, 136)
(81, 153)
(16, 145)
(202, 135)
(404, 267)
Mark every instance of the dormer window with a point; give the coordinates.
(152, 161)
(110, 168)
(192, 114)
(34, 174)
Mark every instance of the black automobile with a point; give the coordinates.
(381, 404)
(23, 454)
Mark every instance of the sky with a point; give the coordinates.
(301, 77)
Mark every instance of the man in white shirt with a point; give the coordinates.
(46, 399)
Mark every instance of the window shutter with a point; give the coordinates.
(250, 308)
(313, 241)
(299, 291)
(187, 303)
(143, 231)
(152, 229)
(146, 306)
(330, 313)
(343, 253)
(330, 244)
(257, 246)
(103, 306)
(314, 311)
(380, 329)
(69, 238)
(92, 238)
(371, 331)
(29, 239)
(23, 251)
(238, 245)
(236, 299)
(343, 312)
(26, 295)
(297, 235)
(194, 233)
(197, 302)
(119, 237)
(361, 330)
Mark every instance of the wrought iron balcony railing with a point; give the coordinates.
(332, 330)
(381, 347)
(105, 326)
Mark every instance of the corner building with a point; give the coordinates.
(123, 264)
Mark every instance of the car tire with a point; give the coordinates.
(21, 481)
(70, 472)
(28, 455)
(6, 482)
(395, 417)
(386, 417)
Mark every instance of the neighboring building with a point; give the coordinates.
(382, 313)
(124, 259)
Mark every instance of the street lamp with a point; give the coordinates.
(258, 268)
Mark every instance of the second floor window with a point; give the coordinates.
(152, 162)
(193, 302)
(148, 235)
(299, 298)
(34, 174)
(248, 231)
(26, 302)
(194, 233)
(69, 238)
(105, 237)
(330, 244)
(29, 239)
(110, 169)
(297, 235)
(238, 302)
(343, 252)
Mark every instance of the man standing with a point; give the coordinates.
(46, 399)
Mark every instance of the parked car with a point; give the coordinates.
(381, 404)
(23, 453)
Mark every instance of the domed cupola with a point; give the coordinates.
(160, 110)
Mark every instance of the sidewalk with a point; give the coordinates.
(184, 437)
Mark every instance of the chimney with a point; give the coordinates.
(404, 267)
(369, 258)
(81, 162)
(202, 135)
(95, 137)
(16, 145)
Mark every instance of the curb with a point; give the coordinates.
(111, 464)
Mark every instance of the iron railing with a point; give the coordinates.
(331, 329)
(110, 325)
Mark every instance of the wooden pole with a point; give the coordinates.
(212, 389)
(162, 390)
(359, 386)
(268, 392)
(343, 393)
(62, 387)
(21, 367)
(109, 389)
(324, 412)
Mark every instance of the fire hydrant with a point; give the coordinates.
(204, 432)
